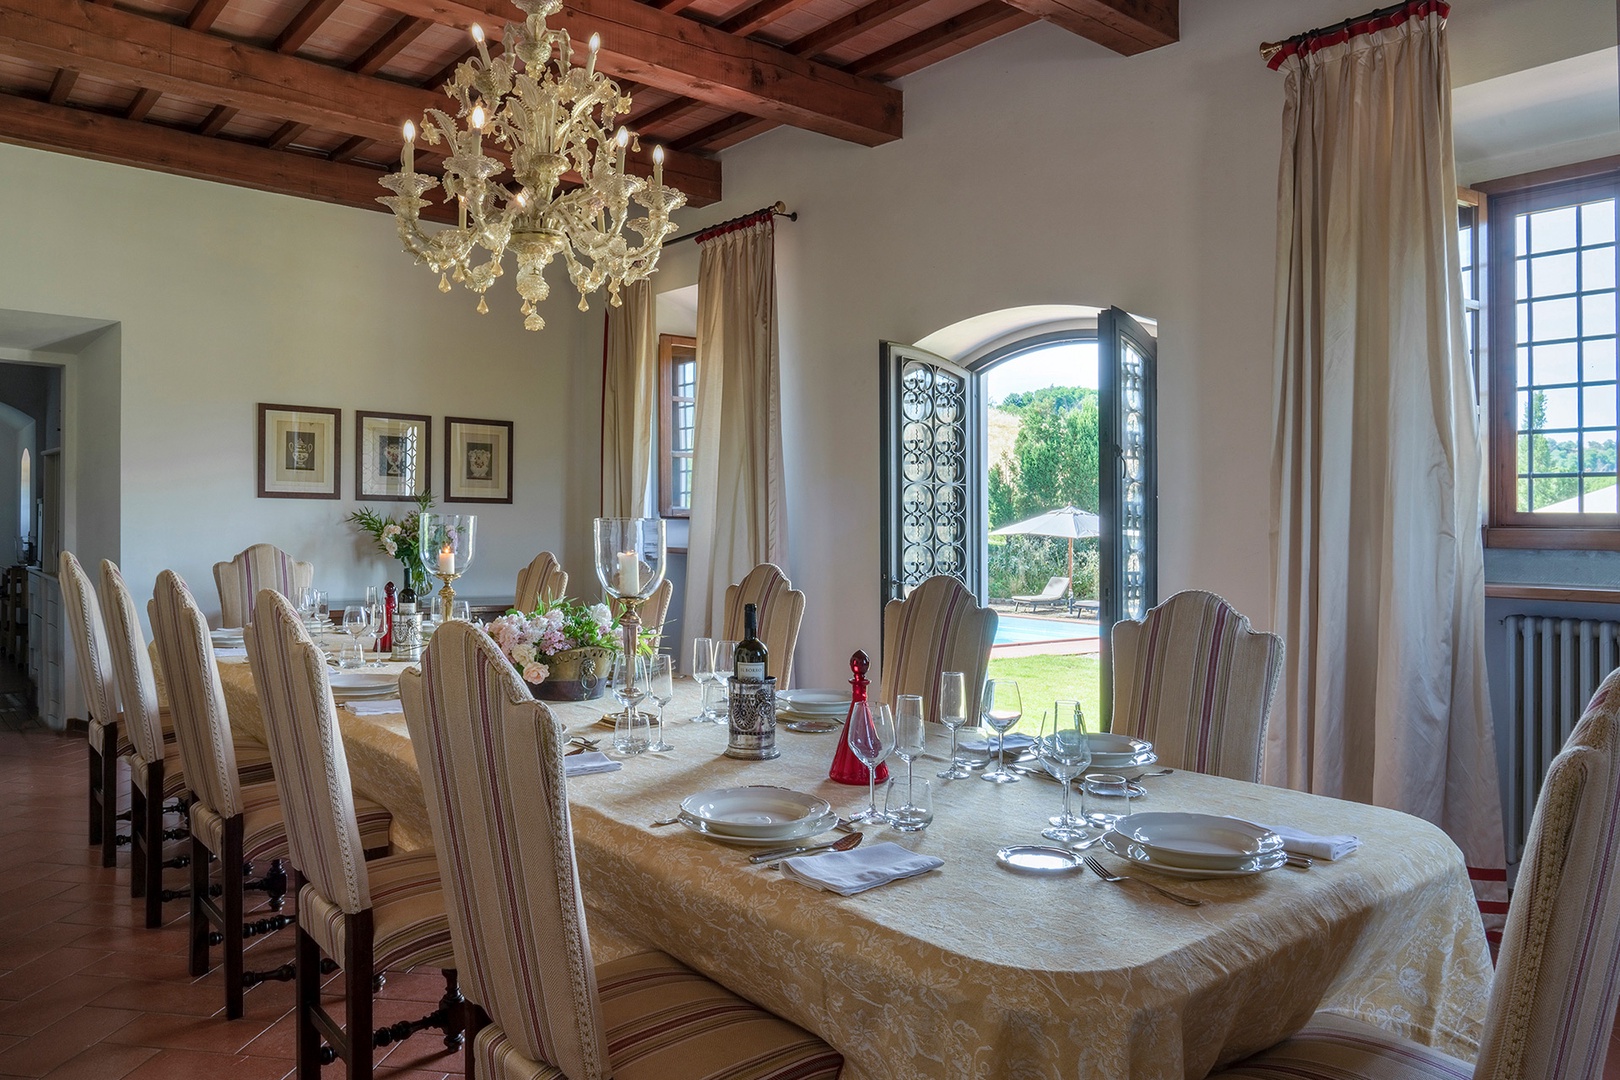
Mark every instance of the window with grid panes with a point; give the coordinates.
(677, 365)
(1556, 397)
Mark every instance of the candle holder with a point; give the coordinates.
(630, 565)
(446, 550)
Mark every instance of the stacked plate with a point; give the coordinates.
(361, 685)
(812, 710)
(1119, 755)
(228, 638)
(1196, 845)
(756, 816)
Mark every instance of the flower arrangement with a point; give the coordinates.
(397, 539)
(532, 641)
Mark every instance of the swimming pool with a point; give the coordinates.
(1021, 630)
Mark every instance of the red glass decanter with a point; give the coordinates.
(846, 767)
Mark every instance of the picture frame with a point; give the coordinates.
(393, 456)
(300, 452)
(477, 460)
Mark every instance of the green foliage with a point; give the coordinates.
(1045, 679)
(1550, 454)
(398, 539)
(1054, 458)
(1022, 565)
(1054, 398)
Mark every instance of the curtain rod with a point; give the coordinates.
(776, 209)
(1268, 49)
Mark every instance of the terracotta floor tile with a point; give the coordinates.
(199, 998)
(57, 964)
(45, 1007)
(103, 1061)
(193, 1065)
(174, 1031)
(54, 1045)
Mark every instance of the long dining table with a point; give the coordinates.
(974, 971)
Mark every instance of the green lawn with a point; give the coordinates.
(1045, 679)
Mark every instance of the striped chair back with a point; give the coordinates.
(90, 650)
(937, 627)
(655, 609)
(1556, 989)
(306, 751)
(262, 566)
(1194, 680)
(541, 582)
(781, 609)
(202, 727)
(132, 666)
(492, 774)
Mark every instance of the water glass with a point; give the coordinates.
(351, 654)
(871, 737)
(909, 739)
(1001, 709)
(660, 687)
(630, 735)
(952, 712)
(461, 610)
(908, 804)
(703, 673)
(1105, 799)
(1062, 748)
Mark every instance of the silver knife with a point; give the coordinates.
(784, 853)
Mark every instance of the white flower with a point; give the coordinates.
(603, 617)
(535, 673)
(390, 547)
(523, 655)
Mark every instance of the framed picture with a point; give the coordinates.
(477, 460)
(299, 452)
(392, 456)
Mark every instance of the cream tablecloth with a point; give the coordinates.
(972, 971)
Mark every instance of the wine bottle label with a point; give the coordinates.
(750, 672)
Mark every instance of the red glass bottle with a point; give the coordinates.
(846, 767)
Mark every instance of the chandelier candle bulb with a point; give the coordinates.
(483, 50)
(407, 159)
(623, 139)
(590, 65)
(658, 166)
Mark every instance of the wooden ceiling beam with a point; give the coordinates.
(759, 15)
(669, 110)
(120, 45)
(390, 45)
(304, 25)
(1126, 26)
(860, 21)
(109, 138)
(215, 121)
(285, 134)
(62, 85)
(672, 6)
(973, 20)
(350, 149)
(144, 100)
(203, 15)
(681, 56)
(438, 80)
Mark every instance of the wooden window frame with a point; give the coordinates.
(668, 345)
(1507, 526)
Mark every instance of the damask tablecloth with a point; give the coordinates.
(972, 971)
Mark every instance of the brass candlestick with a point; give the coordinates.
(447, 595)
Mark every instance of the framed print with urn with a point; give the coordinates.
(477, 460)
(299, 452)
(392, 456)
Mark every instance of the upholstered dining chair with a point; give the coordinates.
(1553, 998)
(492, 774)
(541, 582)
(1195, 681)
(781, 608)
(366, 916)
(262, 566)
(234, 823)
(937, 627)
(104, 730)
(655, 609)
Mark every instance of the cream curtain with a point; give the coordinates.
(629, 395)
(739, 510)
(1379, 571)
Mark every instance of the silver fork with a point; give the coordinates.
(1097, 868)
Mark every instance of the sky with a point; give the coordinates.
(1069, 364)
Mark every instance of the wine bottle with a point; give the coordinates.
(751, 653)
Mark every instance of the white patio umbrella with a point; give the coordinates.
(1069, 521)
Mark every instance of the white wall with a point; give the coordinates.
(224, 298)
(1041, 169)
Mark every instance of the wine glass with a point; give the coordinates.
(725, 665)
(461, 610)
(952, 711)
(374, 635)
(871, 737)
(703, 672)
(1063, 749)
(355, 621)
(1001, 709)
(909, 742)
(661, 688)
(629, 681)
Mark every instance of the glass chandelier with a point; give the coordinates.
(570, 194)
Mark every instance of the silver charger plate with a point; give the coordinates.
(1038, 859)
(1136, 855)
(800, 833)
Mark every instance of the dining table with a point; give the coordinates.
(973, 971)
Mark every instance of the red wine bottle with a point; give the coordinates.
(751, 653)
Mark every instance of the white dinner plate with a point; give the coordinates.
(1038, 859)
(815, 702)
(352, 681)
(610, 720)
(232, 636)
(1132, 770)
(807, 725)
(1199, 841)
(1136, 854)
(763, 811)
(1110, 746)
(802, 831)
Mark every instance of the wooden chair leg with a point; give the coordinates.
(149, 860)
(476, 1020)
(307, 997)
(95, 799)
(199, 913)
(109, 808)
(139, 839)
(357, 988)
(230, 872)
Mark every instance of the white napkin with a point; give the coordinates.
(1326, 848)
(239, 653)
(591, 761)
(1015, 744)
(375, 706)
(850, 872)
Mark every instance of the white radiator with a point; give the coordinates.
(1554, 668)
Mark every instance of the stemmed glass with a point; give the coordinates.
(375, 610)
(1001, 709)
(871, 737)
(952, 711)
(909, 743)
(661, 688)
(630, 686)
(1063, 749)
(703, 672)
(355, 621)
(725, 664)
(445, 549)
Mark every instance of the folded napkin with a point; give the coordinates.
(1326, 848)
(591, 761)
(1015, 744)
(375, 706)
(850, 872)
(237, 653)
